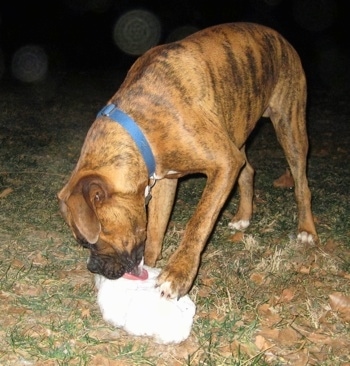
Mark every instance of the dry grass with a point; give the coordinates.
(261, 298)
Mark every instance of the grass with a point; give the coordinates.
(262, 299)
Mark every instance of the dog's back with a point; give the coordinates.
(236, 71)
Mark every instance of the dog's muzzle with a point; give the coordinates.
(115, 266)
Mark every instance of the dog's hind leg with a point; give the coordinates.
(159, 210)
(246, 189)
(291, 132)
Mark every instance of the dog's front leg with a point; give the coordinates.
(177, 277)
(159, 210)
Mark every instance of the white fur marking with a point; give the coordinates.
(239, 225)
(165, 289)
(305, 238)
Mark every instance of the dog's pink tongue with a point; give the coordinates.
(143, 275)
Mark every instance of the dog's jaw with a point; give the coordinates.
(114, 266)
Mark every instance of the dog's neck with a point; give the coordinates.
(112, 112)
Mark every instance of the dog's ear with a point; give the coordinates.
(79, 207)
(94, 190)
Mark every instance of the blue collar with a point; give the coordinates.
(135, 132)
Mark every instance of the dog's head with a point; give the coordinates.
(109, 221)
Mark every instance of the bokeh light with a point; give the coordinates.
(29, 64)
(136, 31)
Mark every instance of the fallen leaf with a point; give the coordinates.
(25, 290)
(284, 181)
(17, 311)
(330, 246)
(16, 263)
(5, 295)
(272, 334)
(215, 315)
(318, 338)
(204, 291)
(262, 343)
(340, 303)
(264, 309)
(85, 313)
(287, 295)
(304, 270)
(207, 281)
(39, 259)
(6, 192)
(268, 315)
(257, 278)
(237, 237)
(288, 336)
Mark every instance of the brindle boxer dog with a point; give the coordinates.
(193, 104)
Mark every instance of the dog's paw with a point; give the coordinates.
(166, 290)
(239, 225)
(173, 285)
(306, 238)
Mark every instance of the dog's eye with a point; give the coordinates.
(85, 244)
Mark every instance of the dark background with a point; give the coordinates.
(77, 34)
